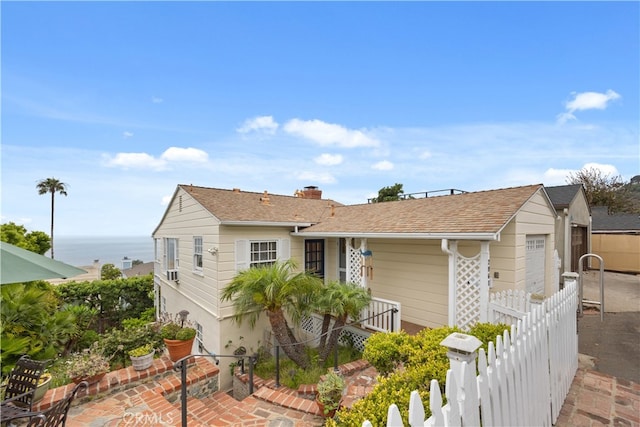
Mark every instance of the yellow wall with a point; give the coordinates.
(620, 252)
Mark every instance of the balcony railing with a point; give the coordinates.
(379, 316)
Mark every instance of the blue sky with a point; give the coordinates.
(124, 100)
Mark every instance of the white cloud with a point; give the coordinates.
(554, 176)
(605, 169)
(127, 134)
(586, 101)
(176, 154)
(424, 155)
(328, 159)
(316, 177)
(384, 165)
(147, 161)
(559, 176)
(264, 124)
(157, 100)
(136, 161)
(329, 134)
(165, 200)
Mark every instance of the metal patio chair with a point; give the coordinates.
(20, 387)
(56, 416)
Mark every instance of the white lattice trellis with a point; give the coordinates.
(354, 265)
(312, 325)
(468, 291)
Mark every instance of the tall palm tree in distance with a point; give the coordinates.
(53, 186)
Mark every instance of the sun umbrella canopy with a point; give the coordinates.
(20, 265)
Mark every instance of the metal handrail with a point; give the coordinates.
(581, 299)
(181, 364)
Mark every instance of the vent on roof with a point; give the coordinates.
(265, 198)
(236, 190)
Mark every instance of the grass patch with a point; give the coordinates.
(292, 376)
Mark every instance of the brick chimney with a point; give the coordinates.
(312, 192)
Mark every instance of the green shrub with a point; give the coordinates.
(385, 350)
(129, 339)
(185, 334)
(487, 332)
(410, 363)
(169, 331)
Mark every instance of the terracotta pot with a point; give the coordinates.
(178, 348)
(90, 379)
(329, 414)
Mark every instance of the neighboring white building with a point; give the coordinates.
(434, 258)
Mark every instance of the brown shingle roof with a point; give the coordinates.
(479, 212)
(244, 206)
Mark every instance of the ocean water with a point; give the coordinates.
(83, 251)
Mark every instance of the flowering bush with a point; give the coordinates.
(89, 362)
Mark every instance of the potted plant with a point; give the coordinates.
(330, 389)
(142, 357)
(43, 385)
(89, 365)
(178, 335)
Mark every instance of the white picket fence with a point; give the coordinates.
(523, 379)
(508, 306)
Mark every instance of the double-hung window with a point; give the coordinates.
(263, 253)
(170, 254)
(256, 253)
(158, 250)
(197, 253)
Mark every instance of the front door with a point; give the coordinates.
(314, 256)
(578, 246)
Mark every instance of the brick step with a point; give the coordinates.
(220, 409)
(287, 400)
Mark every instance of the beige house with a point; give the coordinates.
(433, 259)
(573, 228)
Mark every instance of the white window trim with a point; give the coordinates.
(196, 268)
(176, 255)
(243, 251)
(271, 252)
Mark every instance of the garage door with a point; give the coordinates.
(535, 264)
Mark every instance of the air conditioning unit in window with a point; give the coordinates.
(172, 275)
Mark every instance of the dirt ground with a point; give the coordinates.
(611, 346)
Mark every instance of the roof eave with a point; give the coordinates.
(423, 236)
(616, 231)
(267, 223)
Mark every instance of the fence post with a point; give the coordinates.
(570, 277)
(462, 348)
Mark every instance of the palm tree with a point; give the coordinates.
(278, 291)
(53, 186)
(339, 300)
